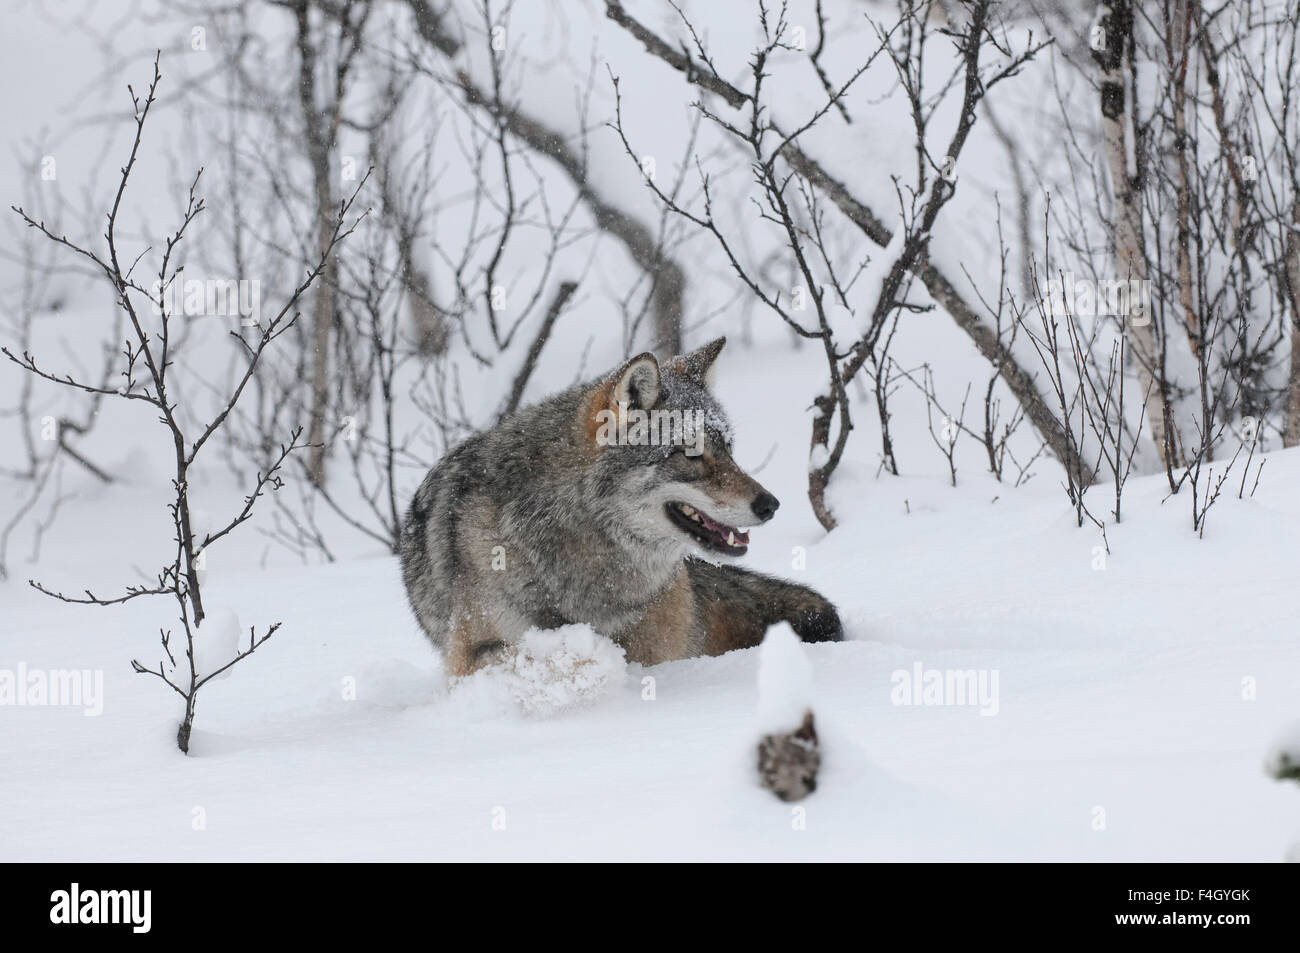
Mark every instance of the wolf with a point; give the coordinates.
(556, 516)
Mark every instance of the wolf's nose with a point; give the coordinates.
(764, 505)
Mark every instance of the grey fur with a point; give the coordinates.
(583, 535)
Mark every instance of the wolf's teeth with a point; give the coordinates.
(687, 510)
(731, 539)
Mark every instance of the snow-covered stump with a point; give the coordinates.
(788, 755)
(1283, 764)
(1283, 761)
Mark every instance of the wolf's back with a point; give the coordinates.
(428, 548)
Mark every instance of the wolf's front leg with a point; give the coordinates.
(737, 606)
(474, 640)
(664, 632)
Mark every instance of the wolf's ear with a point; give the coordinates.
(697, 364)
(636, 383)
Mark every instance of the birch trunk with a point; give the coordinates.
(322, 318)
(1112, 51)
(1291, 428)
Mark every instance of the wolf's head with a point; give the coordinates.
(664, 464)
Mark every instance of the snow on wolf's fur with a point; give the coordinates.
(551, 671)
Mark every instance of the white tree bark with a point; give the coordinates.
(1111, 50)
(1291, 428)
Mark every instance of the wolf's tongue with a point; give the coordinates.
(733, 536)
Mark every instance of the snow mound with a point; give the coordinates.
(552, 671)
(784, 681)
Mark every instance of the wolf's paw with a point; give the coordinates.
(788, 763)
(820, 623)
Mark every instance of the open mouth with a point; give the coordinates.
(711, 534)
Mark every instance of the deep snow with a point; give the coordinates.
(1140, 699)
(1130, 700)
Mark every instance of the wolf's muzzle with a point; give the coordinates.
(764, 506)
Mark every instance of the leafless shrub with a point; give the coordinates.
(951, 426)
(777, 160)
(1066, 362)
(1198, 116)
(146, 375)
(49, 434)
(996, 431)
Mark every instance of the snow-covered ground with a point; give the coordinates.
(1126, 710)
(1120, 706)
